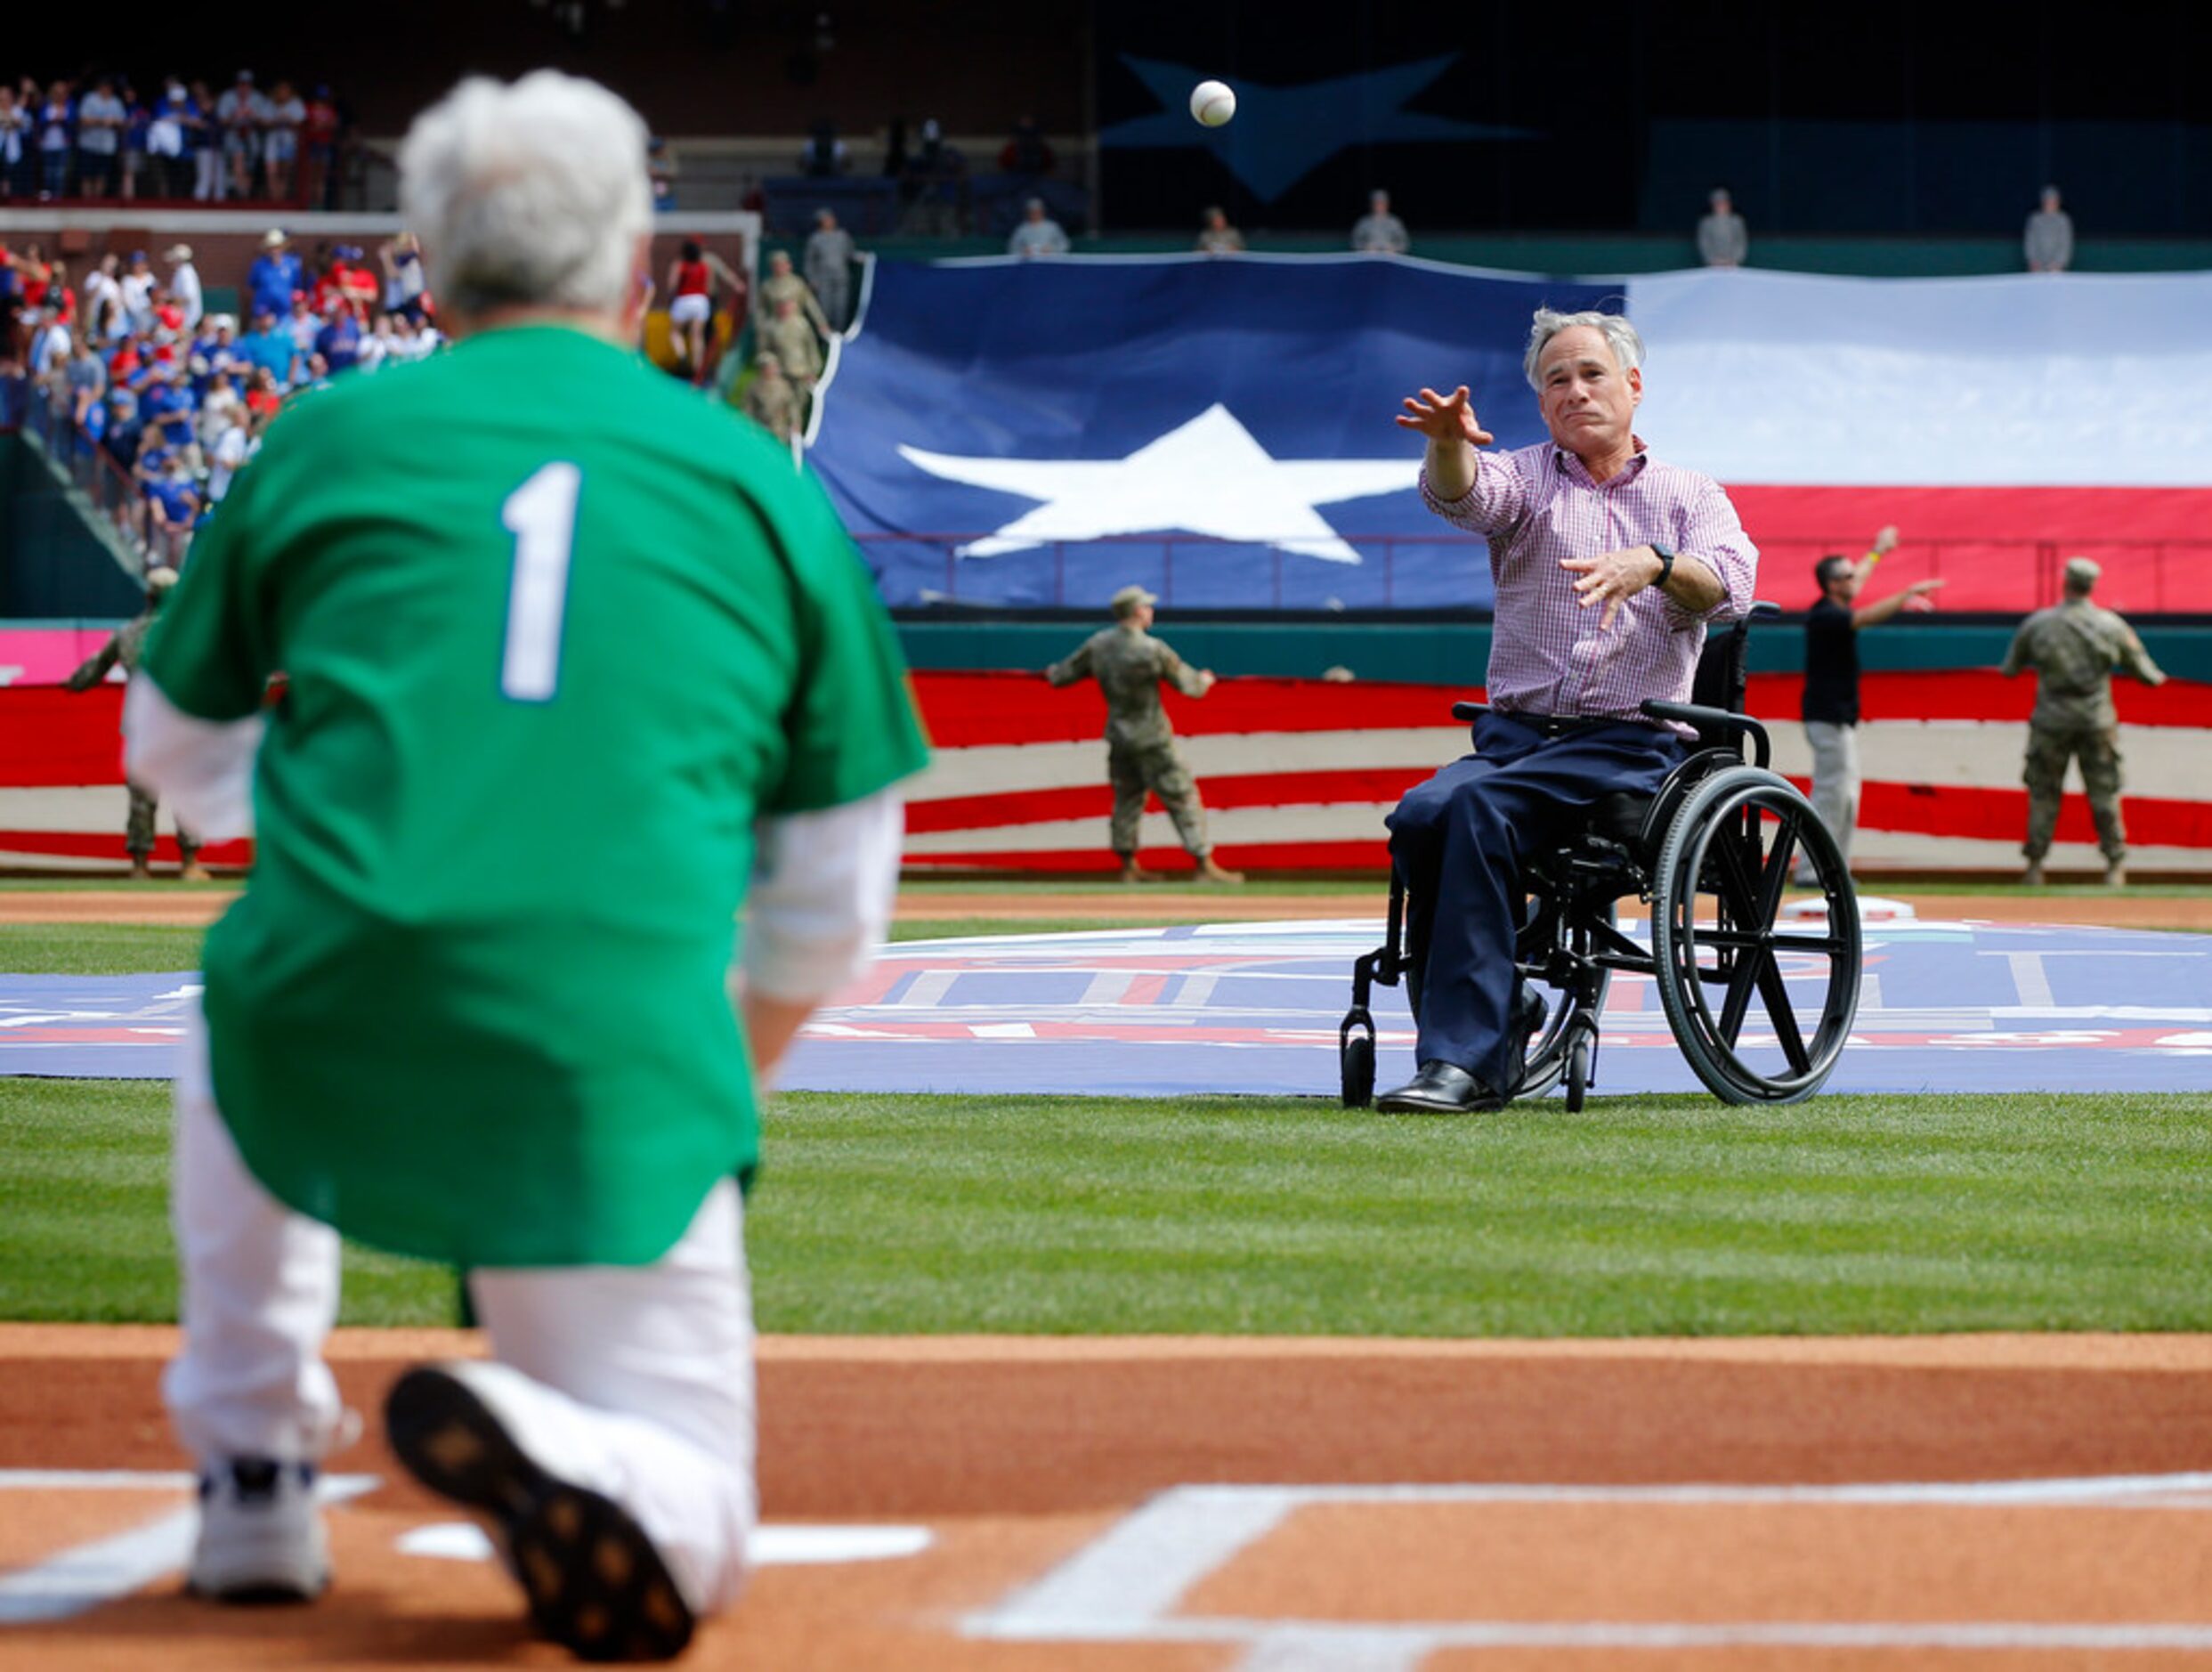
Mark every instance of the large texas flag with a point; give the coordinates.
(1038, 433)
(1026, 433)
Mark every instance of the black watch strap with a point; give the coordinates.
(1667, 562)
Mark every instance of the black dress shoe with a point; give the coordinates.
(1440, 1088)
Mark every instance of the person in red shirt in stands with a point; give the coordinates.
(33, 274)
(318, 138)
(692, 277)
(355, 283)
(263, 397)
(325, 287)
(690, 305)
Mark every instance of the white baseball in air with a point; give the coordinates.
(1213, 103)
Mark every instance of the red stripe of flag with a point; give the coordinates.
(1382, 785)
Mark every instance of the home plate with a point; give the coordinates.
(788, 1546)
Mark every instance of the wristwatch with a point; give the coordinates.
(1666, 561)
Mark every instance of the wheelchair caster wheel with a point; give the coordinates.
(1580, 1057)
(1356, 1060)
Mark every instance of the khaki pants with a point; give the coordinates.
(1160, 769)
(1835, 780)
(137, 833)
(2049, 749)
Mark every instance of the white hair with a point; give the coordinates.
(1619, 335)
(532, 193)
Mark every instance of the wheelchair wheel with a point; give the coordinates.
(1579, 1063)
(1570, 1012)
(1355, 1065)
(1717, 942)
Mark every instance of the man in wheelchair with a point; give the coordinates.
(1608, 566)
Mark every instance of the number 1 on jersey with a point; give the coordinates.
(541, 515)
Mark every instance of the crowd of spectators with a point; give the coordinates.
(106, 137)
(135, 368)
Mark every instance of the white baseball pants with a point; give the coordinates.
(634, 1381)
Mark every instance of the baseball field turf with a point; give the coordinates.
(1641, 1215)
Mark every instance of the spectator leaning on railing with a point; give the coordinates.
(103, 140)
(15, 146)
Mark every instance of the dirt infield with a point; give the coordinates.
(1551, 1503)
(1170, 902)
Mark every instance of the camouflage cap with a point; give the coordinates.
(2082, 572)
(1129, 600)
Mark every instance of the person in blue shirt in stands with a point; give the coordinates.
(171, 504)
(339, 341)
(270, 345)
(276, 273)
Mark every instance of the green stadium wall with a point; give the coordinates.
(1456, 653)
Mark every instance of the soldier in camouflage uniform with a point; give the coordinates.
(792, 341)
(782, 284)
(772, 401)
(124, 645)
(2073, 649)
(1128, 664)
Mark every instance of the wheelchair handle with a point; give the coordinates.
(1720, 720)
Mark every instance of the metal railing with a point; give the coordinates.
(1199, 571)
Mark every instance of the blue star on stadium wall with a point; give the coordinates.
(1282, 135)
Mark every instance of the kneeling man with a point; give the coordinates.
(1608, 566)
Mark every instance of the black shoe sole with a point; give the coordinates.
(275, 1595)
(1388, 1104)
(594, 1581)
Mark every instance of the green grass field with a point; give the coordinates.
(1643, 1215)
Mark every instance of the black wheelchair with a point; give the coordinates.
(1712, 851)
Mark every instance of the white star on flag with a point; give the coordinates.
(1209, 476)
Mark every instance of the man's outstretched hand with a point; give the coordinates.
(1445, 418)
(1611, 578)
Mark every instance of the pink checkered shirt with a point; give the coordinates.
(1548, 655)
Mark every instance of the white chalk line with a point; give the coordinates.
(1123, 1586)
(83, 1577)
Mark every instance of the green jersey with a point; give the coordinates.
(555, 632)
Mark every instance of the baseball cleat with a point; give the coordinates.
(594, 1581)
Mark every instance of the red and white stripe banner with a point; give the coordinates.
(1296, 774)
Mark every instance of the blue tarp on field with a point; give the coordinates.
(1253, 1007)
(1041, 433)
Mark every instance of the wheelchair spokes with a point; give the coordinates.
(1558, 948)
(1735, 845)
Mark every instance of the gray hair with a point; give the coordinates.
(1619, 335)
(529, 194)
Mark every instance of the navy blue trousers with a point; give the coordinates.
(1460, 841)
